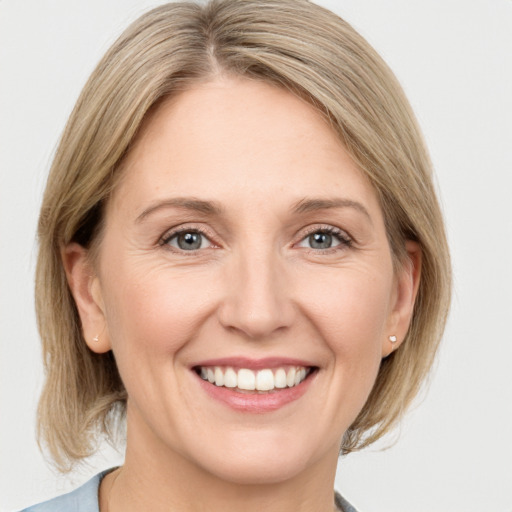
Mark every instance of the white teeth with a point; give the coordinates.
(249, 380)
(219, 377)
(290, 378)
(265, 380)
(230, 378)
(280, 379)
(246, 379)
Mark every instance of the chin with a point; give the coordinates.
(262, 461)
(264, 471)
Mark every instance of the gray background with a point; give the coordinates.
(453, 58)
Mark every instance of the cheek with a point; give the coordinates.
(151, 309)
(347, 310)
(351, 308)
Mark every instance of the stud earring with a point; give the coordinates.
(392, 339)
(96, 338)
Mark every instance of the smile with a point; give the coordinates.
(264, 380)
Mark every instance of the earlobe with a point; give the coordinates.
(407, 284)
(85, 288)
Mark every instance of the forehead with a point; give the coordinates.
(242, 141)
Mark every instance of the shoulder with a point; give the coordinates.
(83, 499)
(342, 504)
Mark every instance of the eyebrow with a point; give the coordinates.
(187, 203)
(307, 205)
(213, 208)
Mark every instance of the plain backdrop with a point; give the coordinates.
(454, 59)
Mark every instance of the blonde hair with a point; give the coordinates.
(296, 45)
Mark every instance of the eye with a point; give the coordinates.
(325, 238)
(187, 240)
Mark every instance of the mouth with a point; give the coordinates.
(258, 381)
(259, 386)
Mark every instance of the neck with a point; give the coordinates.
(158, 479)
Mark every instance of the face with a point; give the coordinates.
(245, 284)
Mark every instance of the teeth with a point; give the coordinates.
(290, 377)
(264, 380)
(280, 379)
(246, 379)
(249, 380)
(230, 378)
(219, 377)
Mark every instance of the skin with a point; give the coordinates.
(256, 288)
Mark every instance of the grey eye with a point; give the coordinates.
(320, 241)
(189, 241)
(325, 239)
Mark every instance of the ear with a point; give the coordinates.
(406, 288)
(86, 290)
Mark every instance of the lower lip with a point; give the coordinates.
(256, 402)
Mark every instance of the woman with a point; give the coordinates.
(241, 251)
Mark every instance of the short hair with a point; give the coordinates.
(298, 46)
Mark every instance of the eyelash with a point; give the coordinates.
(164, 241)
(345, 240)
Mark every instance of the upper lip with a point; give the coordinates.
(254, 364)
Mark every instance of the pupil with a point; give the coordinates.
(320, 240)
(189, 241)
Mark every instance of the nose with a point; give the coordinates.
(258, 297)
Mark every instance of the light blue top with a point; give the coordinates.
(85, 499)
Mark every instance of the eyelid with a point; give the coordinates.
(346, 240)
(186, 228)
